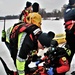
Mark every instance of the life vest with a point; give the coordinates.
(25, 13)
(19, 28)
(69, 25)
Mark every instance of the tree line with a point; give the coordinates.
(9, 17)
(55, 13)
(58, 14)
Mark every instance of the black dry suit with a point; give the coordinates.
(57, 57)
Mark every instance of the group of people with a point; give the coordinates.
(30, 14)
(27, 35)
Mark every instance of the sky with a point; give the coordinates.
(14, 7)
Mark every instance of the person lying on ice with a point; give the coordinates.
(56, 59)
(24, 38)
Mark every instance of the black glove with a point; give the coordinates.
(3, 36)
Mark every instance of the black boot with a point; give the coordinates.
(73, 73)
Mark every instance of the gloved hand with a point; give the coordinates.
(3, 35)
(37, 62)
(50, 71)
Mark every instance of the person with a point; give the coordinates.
(24, 38)
(6, 60)
(34, 17)
(69, 18)
(25, 12)
(55, 60)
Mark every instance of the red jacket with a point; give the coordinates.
(23, 15)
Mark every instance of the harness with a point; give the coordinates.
(69, 26)
(28, 28)
(25, 14)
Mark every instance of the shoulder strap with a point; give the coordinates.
(25, 13)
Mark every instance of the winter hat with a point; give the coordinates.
(71, 2)
(35, 7)
(28, 4)
(45, 38)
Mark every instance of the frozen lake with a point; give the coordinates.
(47, 25)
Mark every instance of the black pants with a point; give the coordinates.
(13, 53)
(70, 38)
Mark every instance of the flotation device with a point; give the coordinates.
(60, 38)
